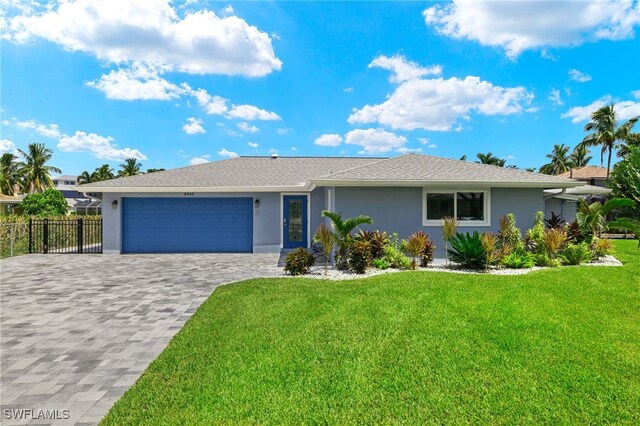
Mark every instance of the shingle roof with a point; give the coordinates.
(240, 172)
(264, 173)
(426, 168)
(586, 172)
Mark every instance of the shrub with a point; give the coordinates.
(393, 256)
(510, 235)
(299, 262)
(554, 239)
(575, 254)
(543, 259)
(602, 247)
(326, 238)
(342, 233)
(466, 249)
(535, 236)
(489, 243)
(555, 221)
(574, 232)
(416, 245)
(426, 257)
(51, 202)
(449, 226)
(380, 264)
(377, 240)
(519, 260)
(359, 256)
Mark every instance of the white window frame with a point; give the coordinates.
(462, 223)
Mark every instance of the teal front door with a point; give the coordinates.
(294, 221)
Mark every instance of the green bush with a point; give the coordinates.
(534, 238)
(380, 264)
(510, 235)
(467, 250)
(519, 260)
(360, 257)
(575, 254)
(394, 256)
(299, 262)
(377, 240)
(602, 247)
(51, 202)
(574, 232)
(543, 259)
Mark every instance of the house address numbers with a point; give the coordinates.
(188, 194)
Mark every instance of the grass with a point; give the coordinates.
(559, 346)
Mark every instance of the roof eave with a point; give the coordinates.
(446, 183)
(196, 189)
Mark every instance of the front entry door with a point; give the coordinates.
(295, 221)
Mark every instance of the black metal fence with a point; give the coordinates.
(65, 236)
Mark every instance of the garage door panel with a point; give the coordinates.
(177, 225)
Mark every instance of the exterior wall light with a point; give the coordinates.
(256, 203)
(114, 204)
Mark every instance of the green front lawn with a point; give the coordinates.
(559, 346)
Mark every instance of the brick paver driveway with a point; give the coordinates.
(78, 330)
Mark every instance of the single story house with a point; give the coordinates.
(265, 204)
(78, 202)
(591, 175)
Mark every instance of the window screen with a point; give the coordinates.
(439, 206)
(470, 206)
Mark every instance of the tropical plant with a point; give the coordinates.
(415, 246)
(554, 240)
(625, 147)
(519, 260)
(325, 237)
(104, 172)
(544, 259)
(555, 221)
(342, 229)
(449, 227)
(130, 167)
(574, 232)
(606, 132)
(625, 181)
(575, 254)
(359, 256)
(491, 159)
(10, 174)
(632, 225)
(377, 240)
(299, 261)
(426, 255)
(580, 156)
(560, 161)
(467, 250)
(534, 237)
(393, 255)
(154, 170)
(490, 246)
(34, 169)
(510, 235)
(602, 247)
(50, 202)
(593, 217)
(380, 264)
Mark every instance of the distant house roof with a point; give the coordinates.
(303, 173)
(586, 172)
(10, 199)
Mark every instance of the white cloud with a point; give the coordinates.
(636, 94)
(329, 140)
(47, 130)
(151, 32)
(226, 153)
(523, 25)
(213, 105)
(624, 110)
(375, 141)
(199, 160)
(348, 90)
(246, 127)
(578, 76)
(555, 98)
(250, 112)
(99, 146)
(7, 146)
(283, 131)
(252, 144)
(228, 9)
(293, 148)
(405, 150)
(273, 151)
(438, 103)
(427, 143)
(193, 126)
(136, 83)
(403, 69)
(546, 54)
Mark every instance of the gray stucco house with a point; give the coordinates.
(264, 204)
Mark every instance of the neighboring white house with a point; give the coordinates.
(77, 201)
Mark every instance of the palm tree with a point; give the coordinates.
(85, 177)
(580, 156)
(342, 233)
(560, 161)
(489, 158)
(633, 140)
(103, 172)
(37, 175)
(606, 132)
(593, 217)
(130, 167)
(10, 175)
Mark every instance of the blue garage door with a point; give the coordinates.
(187, 225)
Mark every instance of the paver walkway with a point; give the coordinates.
(76, 331)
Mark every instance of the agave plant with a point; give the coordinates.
(467, 250)
(342, 229)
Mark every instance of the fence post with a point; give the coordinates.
(80, 236)
(30, 235)
(45, 236)
(11, 238)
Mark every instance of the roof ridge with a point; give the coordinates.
(356, 167)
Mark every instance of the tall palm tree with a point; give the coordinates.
(10, 175)
(37, 174)
(104, 172)
(130, 167)
(85, 177)
(606, 132)
(633, 140)
(489, 158)
(580, 156)
(560, 161)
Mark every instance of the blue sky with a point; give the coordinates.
(178, 83)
